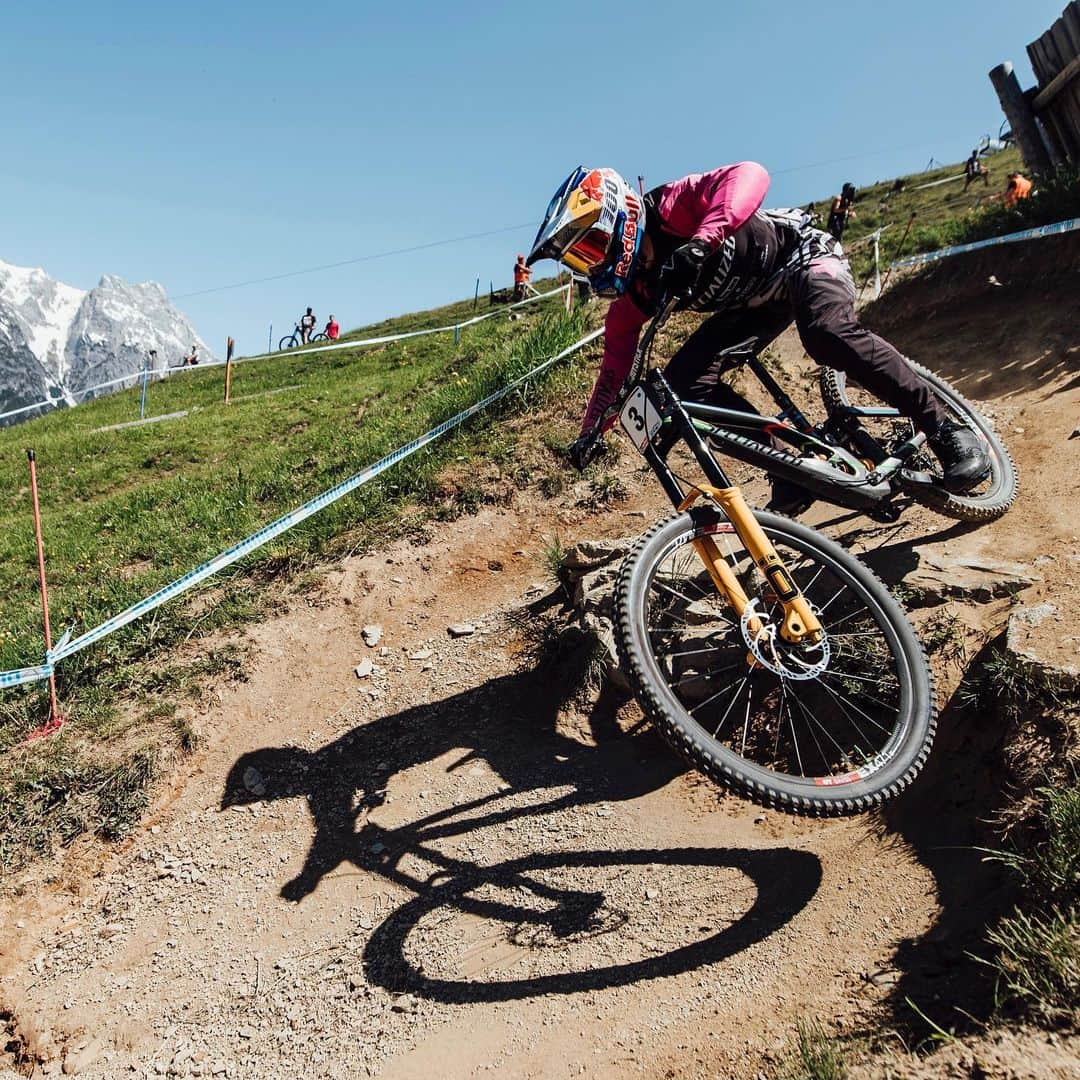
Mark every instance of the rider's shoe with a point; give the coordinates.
(963, 456)
(788, 499)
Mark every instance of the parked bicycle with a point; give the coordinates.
(290, 341)
(769, 656)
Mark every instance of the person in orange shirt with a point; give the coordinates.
(522, 274)
(1019, 187)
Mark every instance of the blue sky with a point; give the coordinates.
(203, 144)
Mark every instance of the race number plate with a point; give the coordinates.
(640, 418)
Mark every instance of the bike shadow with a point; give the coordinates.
(511, 723)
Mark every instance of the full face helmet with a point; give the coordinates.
(593, 225)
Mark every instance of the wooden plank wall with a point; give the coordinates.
(1055, 59)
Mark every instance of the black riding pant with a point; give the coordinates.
(820, 298)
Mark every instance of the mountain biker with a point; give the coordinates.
(307, 325)
(974, 170)
(705, 240)
(332, 329)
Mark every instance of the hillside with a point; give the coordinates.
(474, 860)
(472, 855)
(126, 510)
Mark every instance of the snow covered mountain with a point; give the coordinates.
(56, 341)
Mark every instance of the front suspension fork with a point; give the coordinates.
(800, 623)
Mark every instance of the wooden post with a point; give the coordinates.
(229, 344)
(476, 295)
(55, 719)
(1021, 117)
(641, 185)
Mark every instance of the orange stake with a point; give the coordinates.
(56, 721)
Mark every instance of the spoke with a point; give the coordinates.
(687, 629)
(864, 696)
(813, 735)
(850, 615)
(674, 592)
(716, 730)
(849, 675)
(825, 606)
(794, 737)
(805, 589)
(824, 731)
(840, 699)
(719, 693)
(746, 721)
(699, 652)
(688, 581)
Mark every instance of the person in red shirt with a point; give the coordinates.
(332, 329)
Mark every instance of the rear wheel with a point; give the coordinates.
(985, 502)
(319, 337)
(834, 728)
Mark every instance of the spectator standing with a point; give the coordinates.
(843, 208)
(974, 170)
(192, 357)
(522, 275)
(332, 329)
(307, 325)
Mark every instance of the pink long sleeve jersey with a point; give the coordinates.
(719, 208)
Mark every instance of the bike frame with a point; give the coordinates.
(816, 459)
(656, 419)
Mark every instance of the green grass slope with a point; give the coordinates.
(129, 510)
(946, 214)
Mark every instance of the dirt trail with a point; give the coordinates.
(455, 866)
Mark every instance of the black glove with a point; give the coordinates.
(680, 273)
(584, 449)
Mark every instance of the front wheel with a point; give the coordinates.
(833, 728)
(985, 502)
(287, 342)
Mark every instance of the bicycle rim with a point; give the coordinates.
(989, 499)
(836, 729)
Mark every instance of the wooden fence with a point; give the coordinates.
(1046, 118)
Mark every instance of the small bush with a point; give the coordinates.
(1039, 963)
(815, 1056)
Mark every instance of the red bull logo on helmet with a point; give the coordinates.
(592, 187)
(629, 236)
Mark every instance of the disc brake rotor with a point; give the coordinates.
(768, 648)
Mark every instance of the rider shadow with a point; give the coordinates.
(511, 723)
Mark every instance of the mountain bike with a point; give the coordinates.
(290, 341)
(770, 657)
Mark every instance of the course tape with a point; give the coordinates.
(409, 333)
(1010, 238)
(66, 647)
(168, 372)
(25, 675)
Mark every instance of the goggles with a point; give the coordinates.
(588, 252)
